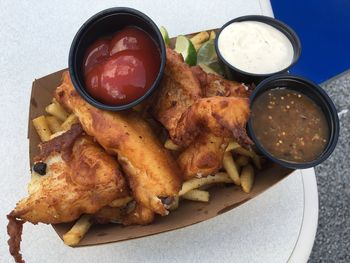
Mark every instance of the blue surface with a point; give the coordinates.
(323, 27)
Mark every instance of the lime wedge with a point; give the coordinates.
(207, 69)
(207, 53)
(165, 35)
(185, 47)
(207, 56)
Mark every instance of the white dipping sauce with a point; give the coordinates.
(255, 47)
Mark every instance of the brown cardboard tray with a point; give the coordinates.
(222, 199)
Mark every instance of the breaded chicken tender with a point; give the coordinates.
(154, 176)
(78, 177)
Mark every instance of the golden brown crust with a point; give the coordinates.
(179, 89)
(140, 215)
(62, 144)
(203, 157)
(214, 85)
(201, 112)
(151, 170)
(89, 181)
(221, 116)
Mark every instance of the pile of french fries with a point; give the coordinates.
(57, 122)
(199, 39)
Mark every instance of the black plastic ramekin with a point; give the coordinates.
(104, 24)
(314, 92)
(240, 75)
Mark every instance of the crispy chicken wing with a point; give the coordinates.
(206, 128)
(152, 172)
(199, 125)
(179, 89)
(215, 85)
(221, 116)
(203, 157)
(85, 183)
(80, 178)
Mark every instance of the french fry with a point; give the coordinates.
(232, 145)
(171, 146)
(71, 119)
(56, 134)
(231, 168)
(212, 35)
(242, 160)
(197, 46)
(56, 110)
(198, 182)
(257, 161)
(197, 195)
(121, 202)
(247, 178)
(54, 124)
(78, 231)
(42, 128)
(251, 154)
(200, 38)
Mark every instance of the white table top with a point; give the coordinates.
(35, 39)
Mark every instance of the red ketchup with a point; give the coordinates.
(121, 69)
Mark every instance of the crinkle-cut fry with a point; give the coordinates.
(42, 128)
(120, 202)
(57, 110)
(231, 168)
(200, 38)
(232, 145)
(71, 119)
(198, 182)
(247, 178)
(78, 231)
(212, 35)
(170, 145)
(54, 124)
(197, 195)
(56, 134)
(251, 154)
(242, 160)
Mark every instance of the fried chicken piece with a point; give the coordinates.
(203, 132)
(215, 85)
(80, 178)
(179, 89)
(137, 215)
(222, 116)
(90, 180)
(152, 172)
(206, 128)
(203, 157)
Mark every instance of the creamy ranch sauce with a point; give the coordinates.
(255, 47)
